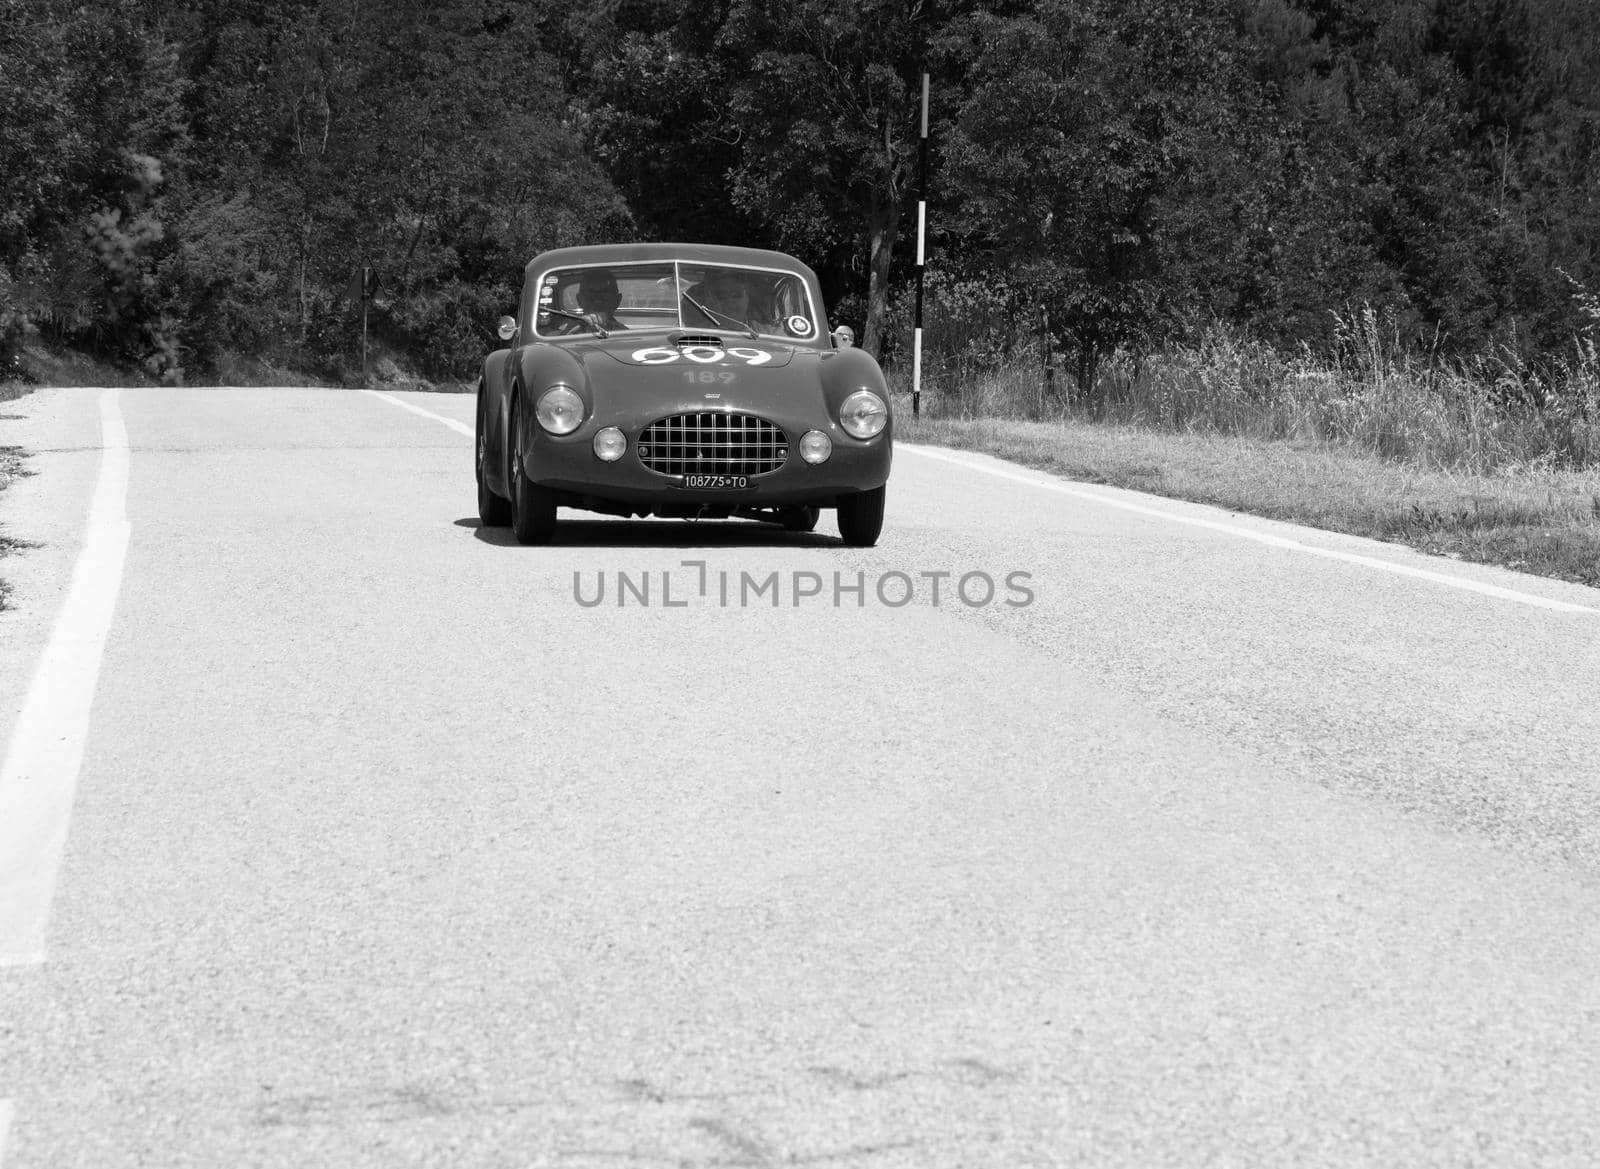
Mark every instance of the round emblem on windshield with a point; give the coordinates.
(798, 325)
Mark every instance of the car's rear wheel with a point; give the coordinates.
(533, 508)
(861, 517)
(494, 511)
(800, 519)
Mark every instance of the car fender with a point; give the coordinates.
(494, 369)
(848, 370)
(540, 366)
(492, 406)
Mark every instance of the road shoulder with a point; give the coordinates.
(45, 511)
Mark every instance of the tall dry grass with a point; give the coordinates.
(1493, 415)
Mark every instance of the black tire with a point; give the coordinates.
(494, 511)
(801, 519)
(533, 508)
(861, 517)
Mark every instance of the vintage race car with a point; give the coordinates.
(684, 381)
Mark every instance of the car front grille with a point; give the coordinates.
(713, 442)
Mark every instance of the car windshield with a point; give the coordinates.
(670, 294)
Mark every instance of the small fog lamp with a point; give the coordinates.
(609, 444)
(815, 447)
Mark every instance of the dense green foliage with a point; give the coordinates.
(184, 179)
(194, 177)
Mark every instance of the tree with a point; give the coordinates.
(787, 125)
(352, 135)
(651, 117)
(94, 133)
(825, 98)
(1401, 201)
(1090, 158)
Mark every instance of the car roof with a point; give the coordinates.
(691, 253)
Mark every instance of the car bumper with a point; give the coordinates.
(568, 464)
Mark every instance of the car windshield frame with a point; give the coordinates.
(574, 329)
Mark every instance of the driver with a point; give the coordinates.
(598, 298)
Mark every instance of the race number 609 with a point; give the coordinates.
(703, 354)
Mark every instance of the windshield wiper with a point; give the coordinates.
(713, 313)
(561, 312)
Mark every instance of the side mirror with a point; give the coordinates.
(843, 337)
(508, 328)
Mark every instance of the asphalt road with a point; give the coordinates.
(1240, 844)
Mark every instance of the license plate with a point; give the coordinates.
(716, 482)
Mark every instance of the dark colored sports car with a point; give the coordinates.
(684, 381)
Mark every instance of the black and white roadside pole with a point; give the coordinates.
(366, 293)
(363, 283)
(922, 254)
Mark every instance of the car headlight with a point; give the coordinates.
(609, 444)
(560, 410)
(815, 447)
(863, 414)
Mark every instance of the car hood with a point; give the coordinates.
(640, 383)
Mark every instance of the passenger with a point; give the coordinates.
(723, 301)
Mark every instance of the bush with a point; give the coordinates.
(13, 326)
(1483, 415)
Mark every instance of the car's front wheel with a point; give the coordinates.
(533, 508)
(861, 517)
(494, 511)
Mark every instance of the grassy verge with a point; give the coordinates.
(10, 468)
(43, 366)
(1534, 520)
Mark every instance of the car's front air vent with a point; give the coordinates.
(713, 443)
(698, 339)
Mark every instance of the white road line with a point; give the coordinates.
(1455, 582)
(40, 774)
(458, 427)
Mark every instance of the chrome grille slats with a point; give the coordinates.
(713, 442)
